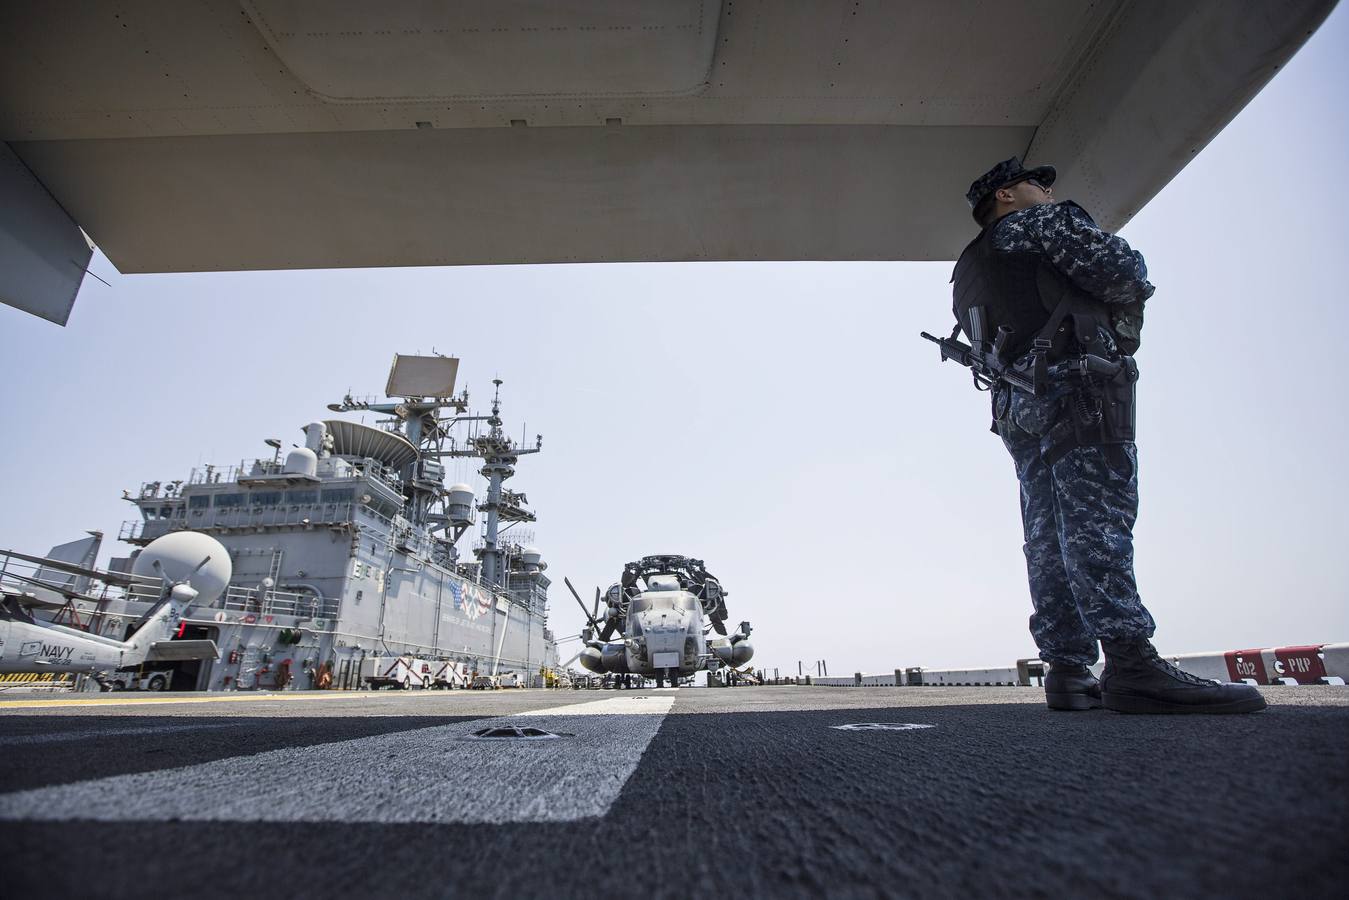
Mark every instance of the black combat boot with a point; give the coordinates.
(1137, 680)
(1072, 687)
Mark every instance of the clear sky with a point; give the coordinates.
(784, 422)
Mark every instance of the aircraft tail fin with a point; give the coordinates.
(160, 625)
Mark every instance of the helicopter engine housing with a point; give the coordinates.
(733, 654)
(605, 658)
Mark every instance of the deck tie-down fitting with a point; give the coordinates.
(516, 732)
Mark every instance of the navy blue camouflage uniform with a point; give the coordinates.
(1078, 511)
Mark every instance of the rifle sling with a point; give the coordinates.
(1045, 339)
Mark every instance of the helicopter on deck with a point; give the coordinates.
(174, 572)
(663, 610)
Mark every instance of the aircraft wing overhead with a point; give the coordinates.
(203, 135)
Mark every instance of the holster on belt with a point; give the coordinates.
(1101, 412)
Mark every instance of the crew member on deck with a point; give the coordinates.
(1066, 288)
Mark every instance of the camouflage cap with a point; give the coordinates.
(1009, 171)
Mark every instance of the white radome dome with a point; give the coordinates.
(179, 554)
(302, 461)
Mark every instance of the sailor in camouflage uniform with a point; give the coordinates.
(1079, 488)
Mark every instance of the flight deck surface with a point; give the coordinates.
(751, 791)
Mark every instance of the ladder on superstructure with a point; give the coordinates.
(274, 572)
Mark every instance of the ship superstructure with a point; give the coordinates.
(347, 553)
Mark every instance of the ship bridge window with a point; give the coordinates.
(266, 498)
(229, 500)
(199, 501)
(339, 495)
(380, 508)
(302, 496)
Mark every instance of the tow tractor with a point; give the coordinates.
(399, 672)
(139, 680)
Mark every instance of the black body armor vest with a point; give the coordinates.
(1024, 292)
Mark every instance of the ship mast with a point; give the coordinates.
(499, 454)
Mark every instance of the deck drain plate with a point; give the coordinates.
(516, 733)
(881, 726)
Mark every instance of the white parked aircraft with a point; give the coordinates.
(663, 609)
(181, 569)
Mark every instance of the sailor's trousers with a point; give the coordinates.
(1078, 514)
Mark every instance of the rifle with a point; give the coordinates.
(1031, 375)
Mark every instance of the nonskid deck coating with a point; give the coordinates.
(752, 785)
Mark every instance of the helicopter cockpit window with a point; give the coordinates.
(658, 600)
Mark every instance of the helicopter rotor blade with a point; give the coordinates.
(590, 619)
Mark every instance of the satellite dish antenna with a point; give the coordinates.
(273, 442)
(336, 407)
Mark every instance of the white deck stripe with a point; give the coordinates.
(427, 775)
(613, 706)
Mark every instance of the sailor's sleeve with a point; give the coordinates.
(1100, 263)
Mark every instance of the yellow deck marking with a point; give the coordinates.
(228, 698)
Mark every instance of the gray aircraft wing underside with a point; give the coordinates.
(205, 135)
